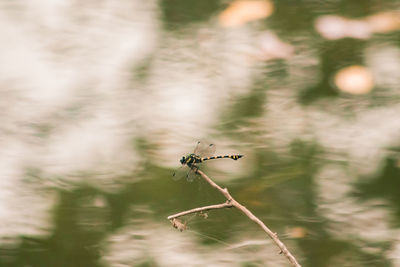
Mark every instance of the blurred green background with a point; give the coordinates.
(100, 100)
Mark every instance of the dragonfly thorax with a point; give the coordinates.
(190, 159)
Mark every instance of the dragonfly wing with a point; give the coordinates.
(191, 175)
(179, 173)
(210, 150)
(204, 150)
(184, 172)
(199, 148)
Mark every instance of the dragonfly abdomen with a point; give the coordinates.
(234, 157)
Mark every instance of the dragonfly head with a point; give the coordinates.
(183, 160)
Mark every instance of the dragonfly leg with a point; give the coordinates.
(195, 168)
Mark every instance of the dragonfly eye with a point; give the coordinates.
(183, 159)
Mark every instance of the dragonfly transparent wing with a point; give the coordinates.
(179, 173)
(191, 175)
(184, 172)
(204, 150)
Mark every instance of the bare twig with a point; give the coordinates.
(211, 207)
(231, 202)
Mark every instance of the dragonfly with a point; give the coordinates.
(201, 153)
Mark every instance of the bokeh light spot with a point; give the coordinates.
(355, 80)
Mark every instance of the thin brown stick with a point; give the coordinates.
(231, 202)
(211, 207)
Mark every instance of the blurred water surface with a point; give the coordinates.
(100, 99)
